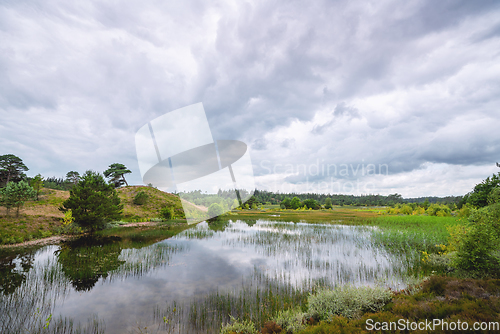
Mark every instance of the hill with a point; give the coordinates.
(156, 200)
(42, 218)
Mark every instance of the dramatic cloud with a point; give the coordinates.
(412, 86)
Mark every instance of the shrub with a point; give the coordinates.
(167, 213)
(465, 211)
(456, 233)
(238, 327)
(140, 198)
(215, 210)
(440, 210)
(271, 327)
(435, 285)
(494, 196)
(347, 301)
(406, 209)
(476, 248)
(290, 320)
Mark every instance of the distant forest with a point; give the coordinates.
(264, 197)
(268, 197)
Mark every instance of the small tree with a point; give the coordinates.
(4, 201)
(295, 203)
(93, 202)
(11, 168)
(73, 177)
(116, 174)
(37, 184)
(479, 196)
(286, 203)
(311, 204)
(15, 194)
(328, 203)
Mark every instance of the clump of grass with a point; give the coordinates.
(347, 301)
(410, 236)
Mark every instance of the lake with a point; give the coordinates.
(189, 283)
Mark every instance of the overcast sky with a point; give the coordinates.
(332, 96)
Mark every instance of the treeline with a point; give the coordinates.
(267, 197)
(448, 200)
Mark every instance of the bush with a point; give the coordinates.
(347, 301)
(167, 213)
(140, 198)
(238, 327)
(271, 327)
(476, 249)
(440, 210)
(291, 320)
(465, 211)
(215, 210)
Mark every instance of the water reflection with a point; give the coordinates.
(216, 269)
(87, 259)
(13, 270)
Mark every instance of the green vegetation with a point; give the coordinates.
(421, 233)
(444, 298)
(140, 198)
(15, 195)
(93, 202)
(235, 326)
(41, 219)
(11, 169)
(346, 301)
(328, 203)
(37, 184)
(72, 177)
(158, 204)
(215, 210)
(478, 197)
(116, 174)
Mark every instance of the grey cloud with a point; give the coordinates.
(86, 75)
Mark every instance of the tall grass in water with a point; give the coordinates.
(259, 299)
(28, 309)
(408, 237)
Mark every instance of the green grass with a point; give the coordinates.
(156, 200)
(336, 216)
(412, 233)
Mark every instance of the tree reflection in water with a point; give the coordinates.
(87, 259)
(13, 270)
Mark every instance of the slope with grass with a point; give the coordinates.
(37, 219)
(42, 218)
(156, 200)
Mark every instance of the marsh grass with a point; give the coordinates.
(257, 300)
(28, 309)
(345, 215)
(412, 235)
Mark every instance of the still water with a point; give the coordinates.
(129, 287)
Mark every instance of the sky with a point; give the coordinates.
(354, 97)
